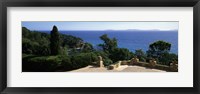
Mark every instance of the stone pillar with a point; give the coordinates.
(100, 62)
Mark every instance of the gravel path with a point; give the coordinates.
(122, 68)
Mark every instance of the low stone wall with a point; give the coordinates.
(135, 61)
(162, 67)
(114, 66)
(152, 64)
(125, 62)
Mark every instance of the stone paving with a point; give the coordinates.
(122, 68)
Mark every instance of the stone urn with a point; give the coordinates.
(174, 66)
(118, 64)
(134, 60)
(152, 63)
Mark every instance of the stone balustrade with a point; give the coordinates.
(135, 61)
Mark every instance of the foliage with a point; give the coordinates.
(113, 52)
(66, 62)
(158, 48)
(55, 41)
(70, 41)
(108, 44)
(167, 58)
(103, 54)
(40, 63)
(63, 51)
(120, 54)
(140, 55)
(38, 43)
(53, 63)
(35, 43)
(83, 59)
(143, 59)
(54, 51)
(87, 47)
(107, 62)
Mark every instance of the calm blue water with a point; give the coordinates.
(131, 40)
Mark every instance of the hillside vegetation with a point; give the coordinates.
(61, 52)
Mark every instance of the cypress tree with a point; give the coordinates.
(55, 41)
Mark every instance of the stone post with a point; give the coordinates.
(100, 62)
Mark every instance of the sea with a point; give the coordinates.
(132, 40)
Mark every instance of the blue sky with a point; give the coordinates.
(65, 25)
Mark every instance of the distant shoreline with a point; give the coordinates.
(109, 30)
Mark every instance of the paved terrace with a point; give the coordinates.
(122, 68)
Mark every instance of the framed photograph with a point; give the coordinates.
(88, 46)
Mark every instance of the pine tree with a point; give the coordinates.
(55, 41)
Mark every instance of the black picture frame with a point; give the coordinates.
(98, 3)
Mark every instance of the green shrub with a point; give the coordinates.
(142, 59)
(40, 63)
(140, 55)
(120, 54)
(59, 62)
(66, 63)
(107, 62)
(103, 54)
(167, 58)
(83, 59)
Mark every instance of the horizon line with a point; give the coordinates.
(114, 30)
